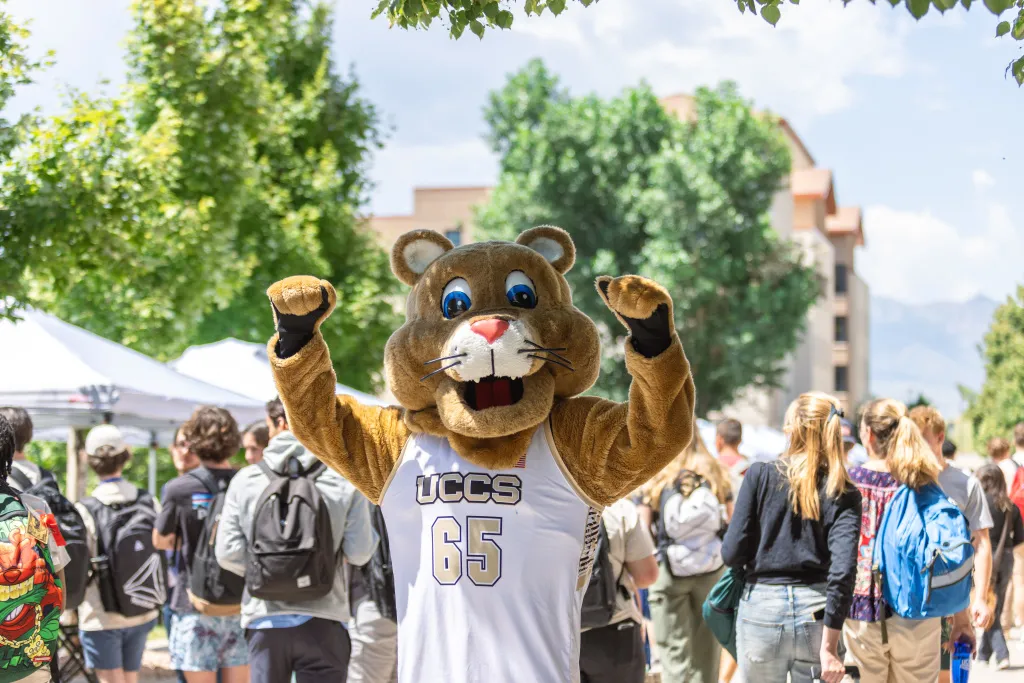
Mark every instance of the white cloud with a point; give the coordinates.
(982, 179)
(915, 257)
(397, 169)
(804, 67)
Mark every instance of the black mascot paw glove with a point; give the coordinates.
(650, 336)
(295, 331)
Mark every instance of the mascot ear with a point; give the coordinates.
(416, 250)
(554, 244)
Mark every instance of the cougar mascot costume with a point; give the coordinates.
(493, 470)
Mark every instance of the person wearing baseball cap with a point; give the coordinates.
(113, 643)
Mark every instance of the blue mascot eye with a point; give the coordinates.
(519, 290)
(455, 300)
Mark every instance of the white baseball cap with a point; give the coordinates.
(104, 435)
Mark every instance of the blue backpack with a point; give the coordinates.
(924, 554)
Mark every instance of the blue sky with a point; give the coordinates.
(916, 119)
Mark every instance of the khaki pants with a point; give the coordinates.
(1013, 609)
(910, 656)
(687, 649)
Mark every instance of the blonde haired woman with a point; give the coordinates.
(794, 533)
(689, 497)
(897, 454)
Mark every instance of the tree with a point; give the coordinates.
(479, 15)
(918, 402)
(685, 203)
(1000, 404)
(236, 155)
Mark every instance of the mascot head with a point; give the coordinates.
(491, 336)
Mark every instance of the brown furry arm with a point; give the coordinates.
(363, 443)
(611, 448)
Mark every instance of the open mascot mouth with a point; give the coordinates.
(493, 392)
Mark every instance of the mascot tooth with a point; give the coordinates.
(492, 471)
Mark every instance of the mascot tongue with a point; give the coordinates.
(492, 392)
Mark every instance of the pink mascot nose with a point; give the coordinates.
(490, 329)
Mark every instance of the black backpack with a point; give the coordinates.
(72, 528)
(131, 573)
(211, 587)
(378, 573)
(292, 554)
(599, 602)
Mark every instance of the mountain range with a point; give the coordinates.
(928, 349)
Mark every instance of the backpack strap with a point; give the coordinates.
(314, 471)
(19, 479)
(208, 481)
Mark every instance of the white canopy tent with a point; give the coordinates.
(67, 377)
(244, 368)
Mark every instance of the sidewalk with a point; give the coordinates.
(156, 661)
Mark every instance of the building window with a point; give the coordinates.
(841, 283)
(842, 328)
(842, 378)
(454, 236)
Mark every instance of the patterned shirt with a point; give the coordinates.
(876, 490)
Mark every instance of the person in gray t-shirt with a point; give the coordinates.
(966, 492)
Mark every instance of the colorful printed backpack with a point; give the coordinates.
(30, 590)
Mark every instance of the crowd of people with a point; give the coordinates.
(280, 570)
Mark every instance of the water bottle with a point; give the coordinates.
(960, 664)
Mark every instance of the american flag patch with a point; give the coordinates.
(521, 463)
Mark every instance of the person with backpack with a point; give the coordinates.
(1007, 533)
(374, 626)
(288, 525)
(1013, 613)
(29, 533)
(687, 500)
(794, 536)
(127, 583)
(206, 633)
(28, 477)
(612, 642)
(999, 451)
(964, 490)
(24, 468)
(886, 646)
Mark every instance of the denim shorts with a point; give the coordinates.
(119, 648)
(202, 643)
(777, 634)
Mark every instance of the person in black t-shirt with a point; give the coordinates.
(200, 644)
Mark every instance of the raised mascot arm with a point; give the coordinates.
(363, 443)
(611, 448)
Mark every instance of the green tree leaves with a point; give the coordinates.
(685, 203)
(1000, 405)
(477, 15)
(235, 156)
(482, 14)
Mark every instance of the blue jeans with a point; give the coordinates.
(776, 633)
(119, 648)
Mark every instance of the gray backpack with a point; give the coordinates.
(292, 555)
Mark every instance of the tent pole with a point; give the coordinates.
(152, 463)
(75, 478)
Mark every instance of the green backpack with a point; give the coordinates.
(720, 608)
(30, 591)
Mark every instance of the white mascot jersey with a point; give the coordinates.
(490, 565)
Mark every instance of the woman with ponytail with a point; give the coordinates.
(897, 454)
(688, 500)
(794, 534)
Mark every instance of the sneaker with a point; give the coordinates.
(1002, 664)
